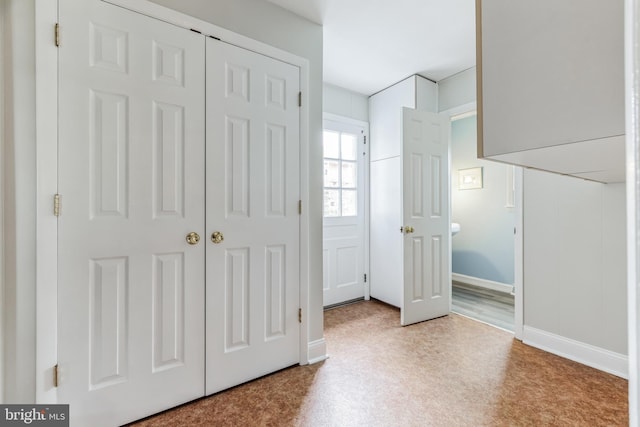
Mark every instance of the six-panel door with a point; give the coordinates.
(132, 159)
(253, 190)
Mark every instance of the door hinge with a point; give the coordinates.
(299, 99)
(56, 204)
(299, 315)
(56, 376)
(299, 207)
(365, 278)
(365, 139)
(57, 34)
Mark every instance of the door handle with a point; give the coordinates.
(193, 238)
(217, 237)
(407, 229)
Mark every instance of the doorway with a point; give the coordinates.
(344, 213)
(486, 205)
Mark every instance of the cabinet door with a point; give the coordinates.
(551, 85)
(427, 230)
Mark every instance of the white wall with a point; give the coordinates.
(345, 103)
(456, 90)
(20, 204)
(270, 24)
(575, 255)
(575, 259)
(484, 248)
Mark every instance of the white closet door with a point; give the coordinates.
(427, 232)
(131, 162)
(253, 189)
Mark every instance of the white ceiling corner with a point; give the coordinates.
(371, 44)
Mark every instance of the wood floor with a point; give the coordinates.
(485, 305)
(450, 371)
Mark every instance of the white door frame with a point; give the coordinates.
(632, 119)
(365, 189)
(468, 110)
(46, 94)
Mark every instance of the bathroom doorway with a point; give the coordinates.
(486, 203)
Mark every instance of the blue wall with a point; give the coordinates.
(484, 248)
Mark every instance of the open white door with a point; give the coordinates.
(427, 230)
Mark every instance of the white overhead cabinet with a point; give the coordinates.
(551, 85)
(409, 181)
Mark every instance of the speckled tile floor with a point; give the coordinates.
(450, 371)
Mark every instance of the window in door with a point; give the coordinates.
(344, 210)
(340, 174)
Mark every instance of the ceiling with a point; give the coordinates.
(372, 44)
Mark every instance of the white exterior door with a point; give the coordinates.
(343, 237)
(427, 232)
(253, 189)
(131, 175)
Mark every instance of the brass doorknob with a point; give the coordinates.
(193, 238)
(217, 237)
(408, 229)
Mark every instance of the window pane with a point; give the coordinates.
(331, 144)
(331, 203)
(349, 146)
(331, 173)
(349, 203)
(349, 175)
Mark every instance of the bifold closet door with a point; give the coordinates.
(253, 224)
(131, 174)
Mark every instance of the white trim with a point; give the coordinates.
(483, 283)
(595, 357)
(348, 120)
(365, 126)
(518, 255)
(632, 116)
(317, 351)
(305, 241)
(46, 56)
(3, 12)
(461, 111)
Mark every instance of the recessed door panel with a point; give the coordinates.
(109, 142)
(109, 321)
(168, 311)
(168, 159)
(237, 299)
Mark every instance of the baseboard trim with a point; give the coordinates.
(317, 351)
(595, 357)
(483, 283)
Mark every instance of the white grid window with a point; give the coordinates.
(340, 174)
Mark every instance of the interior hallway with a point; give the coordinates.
(450, 371)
